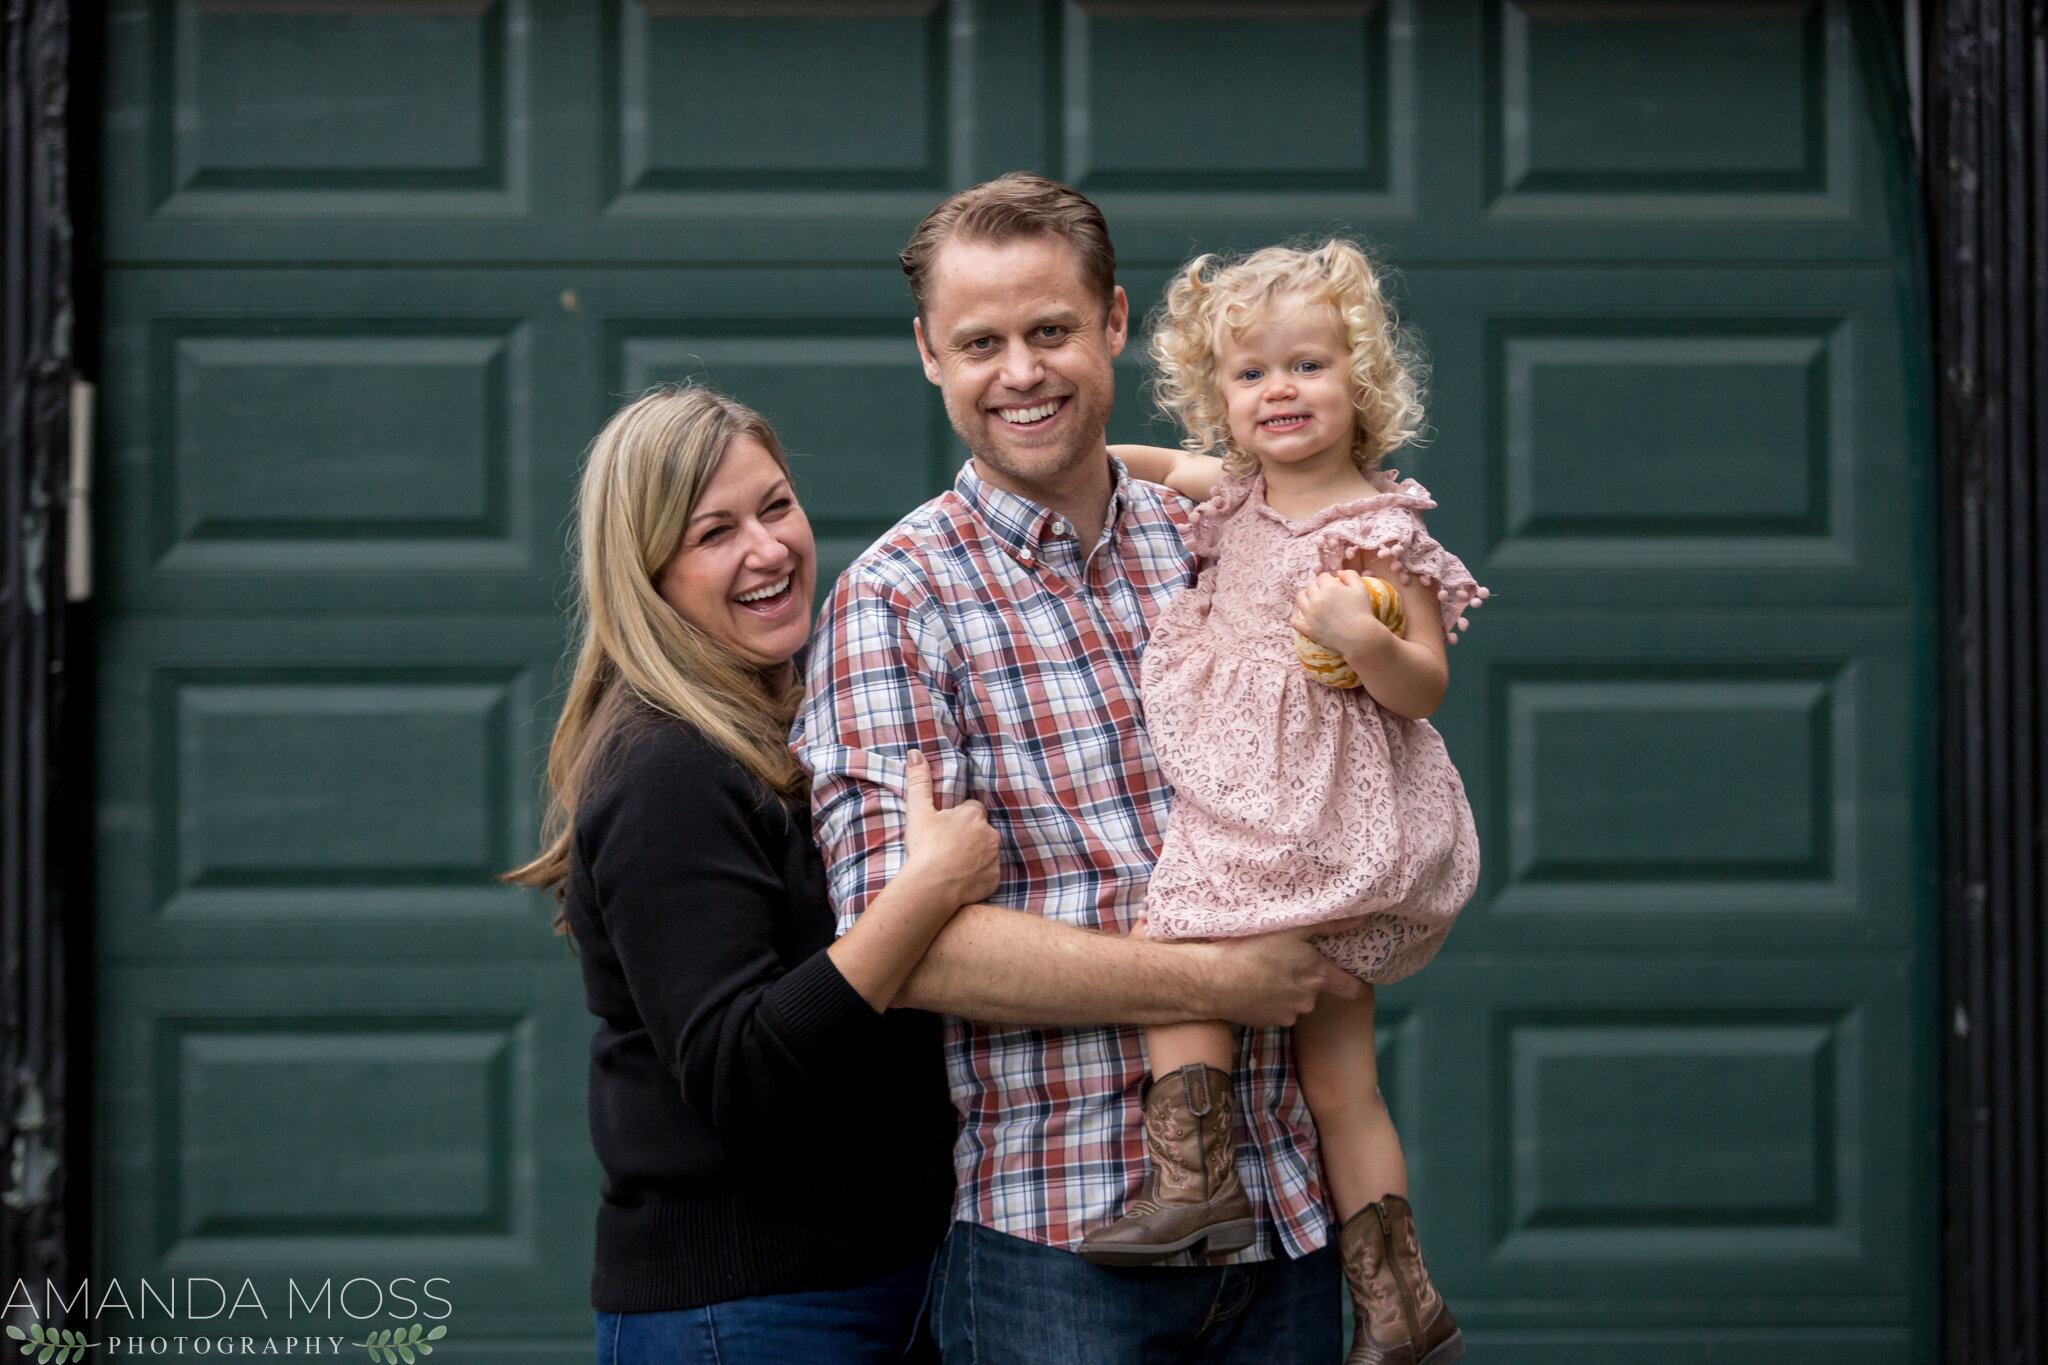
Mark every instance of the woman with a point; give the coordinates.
(775, 1142)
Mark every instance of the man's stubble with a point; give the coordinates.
(1044, 466)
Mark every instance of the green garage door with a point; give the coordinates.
(375, 273)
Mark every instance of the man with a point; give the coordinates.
(998, 628)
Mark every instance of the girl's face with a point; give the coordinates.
(1287, 387)
(746, 569)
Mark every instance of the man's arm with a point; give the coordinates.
(1012, 967)
(878, 686)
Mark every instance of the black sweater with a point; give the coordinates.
(762, 1129)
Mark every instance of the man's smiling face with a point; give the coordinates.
(1021, 348)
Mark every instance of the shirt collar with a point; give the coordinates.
(1021, 524)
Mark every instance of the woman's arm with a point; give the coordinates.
(689, 872)
(949, 861)
(1406, 673)
(1190, 475)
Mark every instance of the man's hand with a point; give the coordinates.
(1270, 980)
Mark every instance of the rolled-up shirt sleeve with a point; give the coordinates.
(882, 680)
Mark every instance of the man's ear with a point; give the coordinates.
(924, 353)
(1118, 323)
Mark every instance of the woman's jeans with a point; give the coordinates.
(868, 1324)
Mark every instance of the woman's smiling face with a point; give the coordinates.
(747, 567)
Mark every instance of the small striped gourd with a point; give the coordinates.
(1326, 665)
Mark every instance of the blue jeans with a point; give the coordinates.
(1000, 1300)
(870, 1324)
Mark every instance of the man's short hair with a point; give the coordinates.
(1008, 208)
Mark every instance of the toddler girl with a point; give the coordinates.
(1297, 802)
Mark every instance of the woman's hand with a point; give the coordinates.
(949, 860)
(951, 851)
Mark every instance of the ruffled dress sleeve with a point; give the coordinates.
(1392, 523)
(1205, 524)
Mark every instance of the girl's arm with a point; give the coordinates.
(1190, 475)
(1406, 673)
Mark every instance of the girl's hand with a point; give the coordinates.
(951, 851)
(1336, 610)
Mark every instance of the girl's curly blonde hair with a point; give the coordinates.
(1214, 298)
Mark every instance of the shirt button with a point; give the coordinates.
(1059, 526)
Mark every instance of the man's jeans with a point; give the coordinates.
(868, 1324)
(1000, 1300)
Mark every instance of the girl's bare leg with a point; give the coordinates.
(1169, 1047)
(1334, 1054)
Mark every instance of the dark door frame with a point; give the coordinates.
(44, 973)
(1987, 204)
(1984, 74)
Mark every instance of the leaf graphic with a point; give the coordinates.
(414, 1334)
(44, 1358)
(438, 1332)
(424, 1349)
(405, 1354)
(16, 1332)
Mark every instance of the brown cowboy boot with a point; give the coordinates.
(1398, 1318)
(1191, 1192)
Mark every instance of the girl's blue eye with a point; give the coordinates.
(1251, 376)
(1309, 367)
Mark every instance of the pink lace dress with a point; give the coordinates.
(1295, 803)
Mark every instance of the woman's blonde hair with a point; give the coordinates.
(636, 657)
(1213, 299)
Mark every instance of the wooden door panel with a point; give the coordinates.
(1671, 436)
(1634, 100)
(1604, 1134)
(1139, 105)
(316, 111)
(338, 440)
(710, 97)
(317, 788)
(1669, 782)
(386, 1119)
